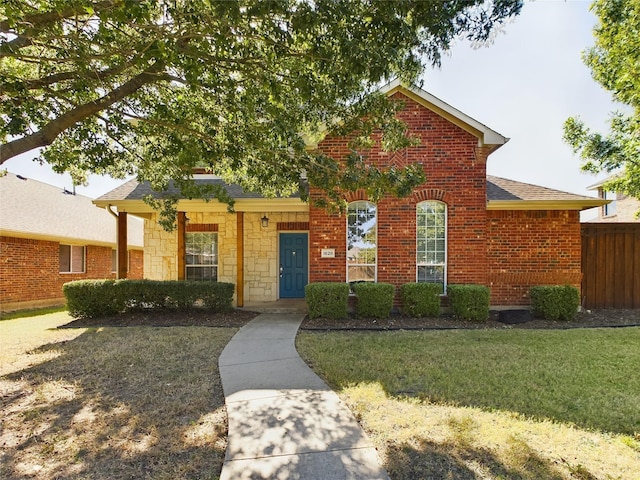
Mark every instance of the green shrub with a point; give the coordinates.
(469, 302)
(555, 302)
(374, 299)
(94, 298)
(216, 296)
(421, 299)
(327, 300)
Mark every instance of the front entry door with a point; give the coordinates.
(294, 264)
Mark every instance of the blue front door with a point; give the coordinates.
(294, 264)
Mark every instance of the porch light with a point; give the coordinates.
(265, 221)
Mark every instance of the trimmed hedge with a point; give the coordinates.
(469, 302)
(420, 299)
(93, 298)
(374, 299)
(327, 299)
(555, 302)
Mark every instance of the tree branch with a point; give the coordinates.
(12, 46)
(47, 134)
(38, 20)
(101, 76)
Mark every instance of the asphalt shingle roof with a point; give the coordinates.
(497, 189)
(133, 190)
(35, 208)
(504, 189)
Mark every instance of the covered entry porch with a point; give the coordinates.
(262, 247)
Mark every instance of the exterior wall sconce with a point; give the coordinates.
(265, 221)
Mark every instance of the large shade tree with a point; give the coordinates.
(614, 61)
(157, 87)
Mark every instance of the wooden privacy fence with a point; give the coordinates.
(611, 265)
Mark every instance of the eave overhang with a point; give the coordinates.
(545, 204)
(250, 205)
(61, 239)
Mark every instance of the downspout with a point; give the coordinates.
(108, 209)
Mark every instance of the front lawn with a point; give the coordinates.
(105, 403)
(491, 404)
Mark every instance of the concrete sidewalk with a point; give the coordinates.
(284, 421)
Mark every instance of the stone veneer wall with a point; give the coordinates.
(260, 250)
(261, 269)
(160, 251)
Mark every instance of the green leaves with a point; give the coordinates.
(615, 64)
(231, 85)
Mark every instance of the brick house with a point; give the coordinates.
(49, 236)
(621, 208)
(460, 226)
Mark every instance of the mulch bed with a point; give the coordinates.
(168, 318)
(586, 319)
(238, 318)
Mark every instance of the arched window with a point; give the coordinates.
(431, 238)
(362, 242)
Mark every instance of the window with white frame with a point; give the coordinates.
(201, 249)
(362, 242)
(431, 242)
(72, 258)
(609, 209)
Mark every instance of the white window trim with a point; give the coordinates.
(347, 264)
(216, 265)
(446, 245)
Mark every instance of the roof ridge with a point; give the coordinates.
(29, 179)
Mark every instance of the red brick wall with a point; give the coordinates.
(456, 175)
(529, 248)
(509, 251)
(136, 264)
(29, 270)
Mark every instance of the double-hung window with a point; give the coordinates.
(431, 238)
(201, 255)
(361, 242)
(72, 258)
(609, 209)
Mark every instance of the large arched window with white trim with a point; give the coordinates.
(431, 242)
(362, 242)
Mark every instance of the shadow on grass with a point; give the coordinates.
(461, 461)
(118, 403)
(583, 378)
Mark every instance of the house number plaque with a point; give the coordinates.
(328, 253)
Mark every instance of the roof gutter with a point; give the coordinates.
(545, 204)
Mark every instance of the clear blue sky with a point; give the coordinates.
(524, 86)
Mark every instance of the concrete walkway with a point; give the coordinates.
(284, 421)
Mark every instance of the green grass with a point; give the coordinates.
(517, 404)
(585, 376)
(31, 312)
(105, 403)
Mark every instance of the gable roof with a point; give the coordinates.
(33, 209)
(486, 136)
(505, 194)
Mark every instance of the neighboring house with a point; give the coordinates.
(49, 236)
(460, 226)
(621, 207)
